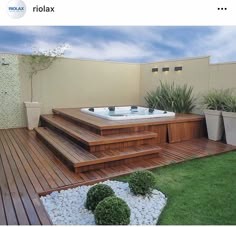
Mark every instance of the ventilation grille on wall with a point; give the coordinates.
(165, 69)
(178, 68)
(154, 70)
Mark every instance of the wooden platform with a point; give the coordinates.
(81, 160)
(84, 142)
(100, 123)
(88, 139)
(29, 168)
(170, 129)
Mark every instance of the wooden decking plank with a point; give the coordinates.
(189, 149)
(47, 167)
(185, 151)
(48, 155)
(212, 148)
(16, 198)
(32, 169)
(91, 175)
(3, 220)
(57, 147)
(42, 215)
(163, 158)
(85, 177)
(113, 155)
(111, 171)
(206, 145)
(120, 170)
(77, 152)
(6, 195)
(135, 166)
(37, 166)
(17, 170)
(175, 155)
(69, 150)
(63, 144)
(189, 154)
(103, 173)
(65, 125)
(154, 162)
(26, 165)
(157, 162)
(99, 173)
(90, 138)
(19, 143)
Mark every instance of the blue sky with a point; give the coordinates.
(125, 44)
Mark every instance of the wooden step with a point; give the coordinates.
(95, 142)
(84, 122)
(80, 160)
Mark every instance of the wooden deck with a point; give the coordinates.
(100, 123)
(85, 142)
(29, 168)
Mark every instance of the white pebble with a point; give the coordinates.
(67, 206)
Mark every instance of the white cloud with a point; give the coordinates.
(132, 44)
(219, 44)
(111, 50)
(35, 31)
(147, 34)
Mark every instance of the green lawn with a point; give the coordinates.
(200, 192)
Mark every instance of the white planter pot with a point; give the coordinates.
(230, 127)
(215, 125)
(33, 114)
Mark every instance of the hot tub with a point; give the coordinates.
(126, 113)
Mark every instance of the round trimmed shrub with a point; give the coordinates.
(142, 182)
(112, 211)
(96, 194)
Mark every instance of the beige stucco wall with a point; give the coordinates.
(222, 75)
(195, 73)
(79, 83)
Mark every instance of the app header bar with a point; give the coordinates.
(117, 12)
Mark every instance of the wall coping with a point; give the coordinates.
(130, 63)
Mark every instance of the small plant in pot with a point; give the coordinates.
(229, 116)
(39, 60)
(214, 102)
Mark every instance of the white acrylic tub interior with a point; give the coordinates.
(126, 113)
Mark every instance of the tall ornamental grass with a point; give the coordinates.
(230, 104)
(171, 97)
(218, 99)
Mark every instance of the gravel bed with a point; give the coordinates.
(67, 206)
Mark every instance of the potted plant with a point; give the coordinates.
(214, 102)
(229, 116)
(40, 60)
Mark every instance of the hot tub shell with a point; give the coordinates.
(126, 113)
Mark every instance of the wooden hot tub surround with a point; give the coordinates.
(84, 142)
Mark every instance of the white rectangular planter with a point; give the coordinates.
(33, 114)
(215, 126)
(230, 127)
